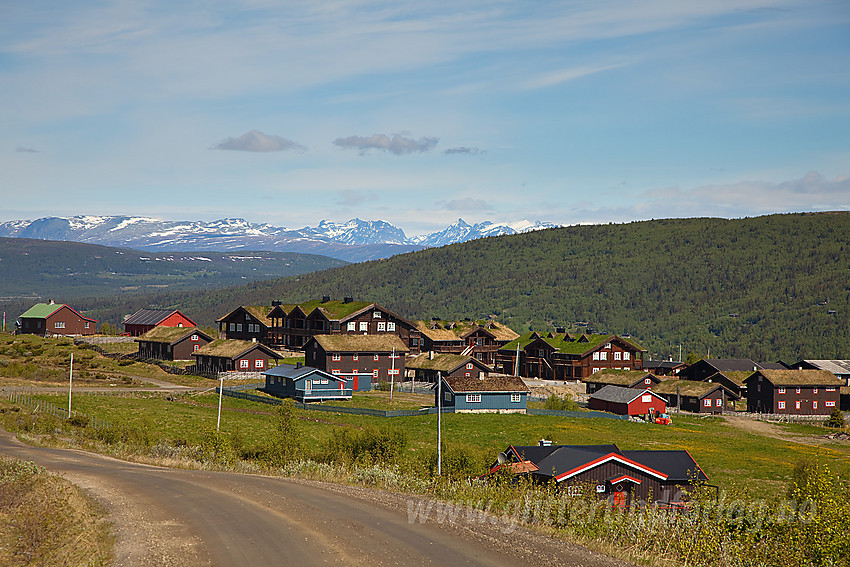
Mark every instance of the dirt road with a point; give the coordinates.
(174, 517)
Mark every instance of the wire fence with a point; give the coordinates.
(39, 405)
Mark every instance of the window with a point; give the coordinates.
(603, 356)
(196, 347)
(59, 324)
(195, 338)
(595, 370)
(447, 396)
(781, 390)
(355, 357)
(618, 355)
(515, 398)
(375, 373)
(647, 381)
(596, 355)
(646, 398)
(244, 363)
(259, 363)
(467, 374)
(469, 366)
(391, 327)
(238, 327)
(364, 326)
(718, 402)
(815, 391)
(87, 324)
(627, 355)
(798, 391)
(336, 371)
(382, 326)
(815, 404)
(233, 327)
(829, 404)
(607, 345)
(473, 398)
(352, 326)
(829, 389)
(336, 357)
(780, 405)
(376, 314)
(377, 357)
(707, 402)
(797, 404)
(393, 371)
(247, 317)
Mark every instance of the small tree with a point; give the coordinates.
(835, 419)
(286, 437)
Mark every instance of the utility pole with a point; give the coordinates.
(439, 423)
(220, 393)
(392, 375)
(70, 383)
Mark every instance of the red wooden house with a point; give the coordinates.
(627, 401)
(48, 319)
(144, 320)
(625, 378)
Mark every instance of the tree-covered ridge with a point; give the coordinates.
(763, 288)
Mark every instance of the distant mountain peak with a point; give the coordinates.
(354, 240)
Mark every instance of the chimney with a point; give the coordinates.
(430, 355)
(277, 303)
(253, 339)
(297, 365)
(326, 298)
(545, 443)
(348, 299)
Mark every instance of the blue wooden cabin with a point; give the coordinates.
(501, 394)
(306, 384)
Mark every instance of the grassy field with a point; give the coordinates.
(734, 459)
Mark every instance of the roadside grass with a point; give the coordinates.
(45, 520)
(380, 400)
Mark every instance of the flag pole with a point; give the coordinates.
(70, 384)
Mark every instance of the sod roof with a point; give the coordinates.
(441, 362)
(260, 312)
(230, 348)
(361, 343)
(458, 330)
(513, 384)
(170, 335)
(619, 377)
(566, 344)
(336, 309)
(691, 388)
(739, 377)
(798, 377)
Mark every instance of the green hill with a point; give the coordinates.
(764, 288)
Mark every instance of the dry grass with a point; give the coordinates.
(45, 520)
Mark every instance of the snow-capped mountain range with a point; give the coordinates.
(355, 241)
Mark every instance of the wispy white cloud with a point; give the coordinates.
(463, 150)
(256, 141)
(395, 144)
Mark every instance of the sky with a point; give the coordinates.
(419, 113)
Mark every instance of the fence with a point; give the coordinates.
(50, 408)
(237, 392)
(169, 368)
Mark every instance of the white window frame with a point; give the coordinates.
(781, 390)
(473, 398)
(375, 373)
(376, 357)
(336, 357)
(618, 355)
(829, 404)
(516, 398)
(59, 325)
(596, 355)
(719, 402)
(376, 314)
(382, 326)
(780, 404)
(390, 326)
(603, 356)
(352, 325)
(364, 326)
(646, 398)
(244, 363)
(355, 357)
(259, 363)
(469, 366)
(627, 356)
(814, 404)
(195, 338)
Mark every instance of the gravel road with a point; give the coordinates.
(170, 517)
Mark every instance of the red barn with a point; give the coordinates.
(627, 401)
(144, 320)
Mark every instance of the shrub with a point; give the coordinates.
(835, 419)
(555, 402)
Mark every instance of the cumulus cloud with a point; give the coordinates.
(256, 141)
(463, 150)
(26, 150)
(468, 204)
(395, 144)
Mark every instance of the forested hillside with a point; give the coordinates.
(766, 288)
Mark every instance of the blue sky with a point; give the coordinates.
(422, 112)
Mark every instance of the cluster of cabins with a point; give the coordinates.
(354, 345)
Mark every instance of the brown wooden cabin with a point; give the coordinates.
(566, 356)
(172, 343)
(697, 397)
(427, 366)
(793, 392)
(246, 323)
(479, 339)
(625, 378)
(225, 355)
(360, 359)
(49, 319)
